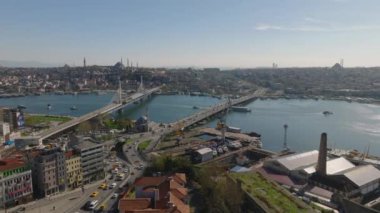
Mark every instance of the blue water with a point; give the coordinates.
(169, 108)
(352, 126)
(60, 104)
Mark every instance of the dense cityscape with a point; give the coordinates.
(212, 106)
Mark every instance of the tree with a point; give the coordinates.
(84, 127)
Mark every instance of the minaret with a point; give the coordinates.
(120, 91)
(84, 62)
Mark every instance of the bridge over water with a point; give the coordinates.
(115, 105)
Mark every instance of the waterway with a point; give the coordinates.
(351, 126)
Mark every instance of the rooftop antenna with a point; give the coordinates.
(285, 137)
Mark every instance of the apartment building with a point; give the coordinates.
(49, 172)
(15, 181)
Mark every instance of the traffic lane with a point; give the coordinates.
(101, 197)
(111, 202)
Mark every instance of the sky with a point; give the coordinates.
(199, 33)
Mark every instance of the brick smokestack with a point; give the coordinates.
(321, 167)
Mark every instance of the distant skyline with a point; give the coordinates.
(199, 33)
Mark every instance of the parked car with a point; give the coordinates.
(115, 195)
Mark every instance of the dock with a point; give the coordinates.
(235, 136)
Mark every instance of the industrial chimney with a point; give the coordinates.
(321, 167)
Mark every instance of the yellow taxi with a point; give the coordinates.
(103, 186)
(102, 207)
(94, 194)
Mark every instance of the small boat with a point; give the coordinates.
(327, 113)
(73, 108)
(21, 107)
(49, 107)
(195, 107)
(240, 109)
(220, 150)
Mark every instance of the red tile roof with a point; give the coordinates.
(127, 205)
(170, 199)
(180, 178)
(150, 181)
(11, 163)
(179, 204)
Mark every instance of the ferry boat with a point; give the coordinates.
(327, 113)
(220, 125)
(240, 109)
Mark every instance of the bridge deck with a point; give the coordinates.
(192, 119)
(109, 108)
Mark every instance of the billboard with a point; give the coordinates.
(20, 119)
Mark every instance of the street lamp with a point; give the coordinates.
(285, 137)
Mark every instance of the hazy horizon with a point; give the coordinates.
(209, 33)
(37, 64)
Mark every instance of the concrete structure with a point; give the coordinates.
(343, 177)
(22, 143)
(333, 166)
(49, 172)
(74, 174)
(91, 154)
(202, 155)
(4, 128)
(14, 117)
(322, 157)
(15, 182)
(292, 164)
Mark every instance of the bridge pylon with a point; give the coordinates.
(141, 86)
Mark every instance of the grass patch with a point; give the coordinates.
(128, 141)
(268, 193)
(143, 145)
(44, 119)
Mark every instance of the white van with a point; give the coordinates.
(93, 204)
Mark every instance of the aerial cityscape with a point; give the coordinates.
(189, 106)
